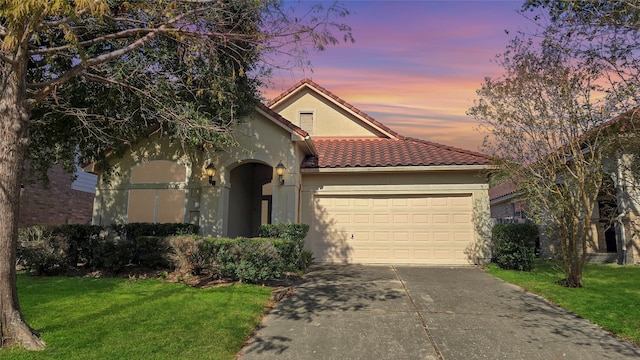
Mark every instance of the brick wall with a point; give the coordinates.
(58, 204)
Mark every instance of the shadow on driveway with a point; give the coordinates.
(389, 312)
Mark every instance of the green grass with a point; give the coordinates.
(610, 297)
(83, 318)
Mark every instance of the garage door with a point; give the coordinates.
(392, 229)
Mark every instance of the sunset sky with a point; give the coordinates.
(415, 65)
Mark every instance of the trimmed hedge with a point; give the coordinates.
(298, 260)
(287, 231)
(48, 250)
(250, 260)
(52, 249)
(135, 230)
(514, 246)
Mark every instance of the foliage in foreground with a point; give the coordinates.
(514, 246)
(83, 80)
(244, 259)
(169, 247)
(85, 318)
(50, 250)
(552, 118)
(609, 298)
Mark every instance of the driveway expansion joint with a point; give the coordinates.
(425, 327)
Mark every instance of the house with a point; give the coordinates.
(369, 194)
(615, 221)
(63, 201)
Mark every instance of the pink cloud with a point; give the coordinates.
(415, 66)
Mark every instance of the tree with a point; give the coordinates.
(546, 117)
(85, 78)
(545, 123)
(604, 34)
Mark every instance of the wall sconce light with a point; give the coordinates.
(280, 171)
(211, 171)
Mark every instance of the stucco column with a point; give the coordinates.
(285, 200)
(208, 207)
(482, 224)
(213, 201)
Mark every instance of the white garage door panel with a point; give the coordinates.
(392, 229)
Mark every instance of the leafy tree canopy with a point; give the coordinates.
(547, 117)
(101, 74)
(83, 78)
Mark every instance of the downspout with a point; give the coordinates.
(310, 145)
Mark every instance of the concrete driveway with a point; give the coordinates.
(393, 312)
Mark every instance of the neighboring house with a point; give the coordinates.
(369, 194)
(615, 222)
(64, 201)
(506, 205)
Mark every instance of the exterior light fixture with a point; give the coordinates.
(280, 171)
(211, 171)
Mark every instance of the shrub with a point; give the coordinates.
(514, 246)
(258, 261)
(135, 230)
(81, 239)
(150, 251)
(292, 249)
(43, 250)
(111, 254)
(287, 231)
(246, 260)
(189, 254)
(40, 251)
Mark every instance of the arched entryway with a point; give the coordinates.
(249, 199)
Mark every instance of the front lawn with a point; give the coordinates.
(610, 296)
(107, 318)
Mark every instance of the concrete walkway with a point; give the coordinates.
(385, 312)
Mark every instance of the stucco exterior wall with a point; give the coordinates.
(329, 119)
(259, 141)
(112, 192)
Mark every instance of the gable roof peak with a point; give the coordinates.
(310, 84)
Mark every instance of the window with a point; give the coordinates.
(152, 196)
(307, 121)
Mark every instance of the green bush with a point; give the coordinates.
(514, 246)
(258, 261)
(287, 231)
(40, 251)
(242, 259)
(292, 250)
(135, 230)
(81, 239)
(43, 250)
(150, 251)
(112, 254)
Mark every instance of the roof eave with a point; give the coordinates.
(503, 198)
(295, 136)
(388, 169)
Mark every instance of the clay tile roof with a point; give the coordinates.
(319, 88)
(502, 189)
(384, 152)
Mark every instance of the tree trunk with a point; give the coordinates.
(14, 121)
